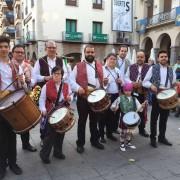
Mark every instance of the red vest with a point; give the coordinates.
(82, 79)
(51, 93)
(14, 68)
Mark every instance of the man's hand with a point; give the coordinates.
(105, 81)
(153, 88)
(44, 113)
(68, 98)
(118, 81)
(21, 78)
(81, 91)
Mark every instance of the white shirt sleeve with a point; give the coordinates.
(42, 99)
(127, 76)
(146, 82)
(36, 73)
(115, 104)
(73, 83)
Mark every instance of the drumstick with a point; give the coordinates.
(10, 84)
(141, 106)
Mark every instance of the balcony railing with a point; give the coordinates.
(72, 36)
(30, 36)
(71, 2)
(162, 18)
(99, 38)
(124, 40)
(10, 30)
(97, 6)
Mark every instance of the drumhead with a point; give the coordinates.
(58, 115)
(96, 96)
(166, 94)
(13, 97)
(131, 118)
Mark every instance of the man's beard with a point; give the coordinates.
(89, 58)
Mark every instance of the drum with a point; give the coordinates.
(131, 120)
(20, 111)
(62, 119)
(167, 99)
(99, 100)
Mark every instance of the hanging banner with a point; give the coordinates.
(122, 15)
(178, 16)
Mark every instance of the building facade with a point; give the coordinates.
(72, 24)
(158, 26)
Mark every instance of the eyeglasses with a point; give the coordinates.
(51, 47)
(19, 52)
(57, 74)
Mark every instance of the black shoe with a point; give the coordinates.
(153, 143)
(102, 140)
(59, 156)
(144, 133)
(165, 141)
(111, 137)
(44, 160)
(15, 169)
(2, 173)
(30, 148)
(80, 149)
(98, 145)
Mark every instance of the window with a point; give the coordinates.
(97, 4)
(32, 3)
(71, 25)
(71, 2)
(97, 27)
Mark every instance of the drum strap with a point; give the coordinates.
(58, 95)
(134, 103)
(167, 77)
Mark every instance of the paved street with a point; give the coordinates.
(110, 164)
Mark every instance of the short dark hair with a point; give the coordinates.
(123, 46)
(57, 68)
(162, 52)
(88, 46)
(4, 39)
(17, 46)
(111, 54)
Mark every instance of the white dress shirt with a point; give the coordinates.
(116, 103)
(112, 75)
(90, 76)
(6, 76)
(42, 99)
(163, 73)
(121, 65)
(51, 64)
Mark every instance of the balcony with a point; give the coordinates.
(72, 36)
(123, 40)
(162, 18)
(99, 38)
(10, 4)
(97, 6)
(10, 30)
(30, 36)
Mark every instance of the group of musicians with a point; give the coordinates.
(58, 82)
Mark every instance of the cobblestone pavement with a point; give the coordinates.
(109, 164)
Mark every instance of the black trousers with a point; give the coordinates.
(83, 112)
(25, 139)
(7, 144)
(141, 98)
(109, 119)
(156, 113)
(52, 139)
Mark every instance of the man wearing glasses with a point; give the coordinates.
(18, 56)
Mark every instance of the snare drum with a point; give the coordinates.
(62, 119)
(167, 99)
(20, 111)
(131, 120)
(99, 100)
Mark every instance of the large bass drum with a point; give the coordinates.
(20, 111)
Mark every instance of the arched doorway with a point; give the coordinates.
(148, 45)
(164, 43)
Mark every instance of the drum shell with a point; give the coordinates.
(65, 124)
(101, 105)
(168, 103)
(21, 115)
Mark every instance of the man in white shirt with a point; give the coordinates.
(135, 74)
(42, 68)
(122, 62)
(88, 72)
(159, 77)
(18, 56)
(9, 73)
